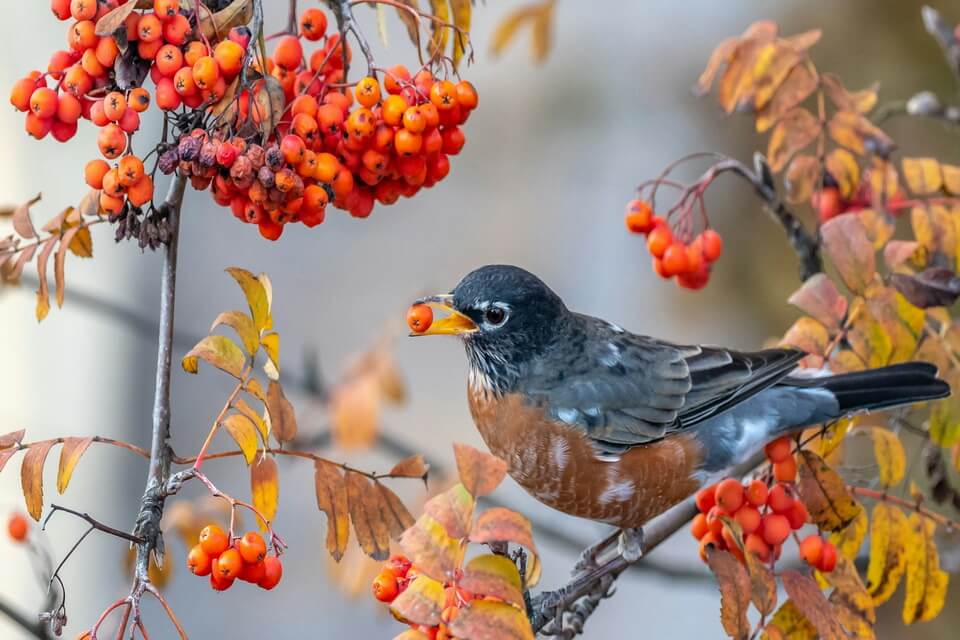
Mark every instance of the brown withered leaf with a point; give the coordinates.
(421, 602)
(428, 546)
(410, 20)
(392, 511)
(932, 287)
(850, 590)
(493, 575)
(797, 129)
(720, 56)
(771, 69)
(219, 351)
(115, 18)
(453, 509)
(853, 131)
(819, 297)
(22, 223)
(332, 501)
(256, 292)
(797, 87)
(73, 449)
(268, 102)
(372, 531)
(844, 169)
(923, 175)
(480, 472)
(243, 325)
(14, 268)
(226, 102)
(879, 225)
(846, 243)
(801, 177)
(283, 419)
(235, 14)
(763, 584)
(491, 620)
(857, 101)
(735, 589)
(5, 455)
(824, 494)
(244, 433)
(12, 438)
(462, 11)
(852, 620)
(265, 487)
(31, 477)
(58, 263)
(412, 467)
(43, 293)
(803, 41)
(810, 601)
(90, 203)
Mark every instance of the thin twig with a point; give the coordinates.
(912, 505)
(94, 523)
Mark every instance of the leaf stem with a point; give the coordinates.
(906, 504)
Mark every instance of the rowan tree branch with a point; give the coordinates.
(945, 36)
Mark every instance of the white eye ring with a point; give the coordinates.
(495, 316)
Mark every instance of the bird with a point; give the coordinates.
(616, 427)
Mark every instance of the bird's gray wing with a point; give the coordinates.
(625, 389)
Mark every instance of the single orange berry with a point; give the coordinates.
(229, 57)
(214, 540)
(828, 558)
(43, 102)
(639, 217)
(394, 79)
(658, 240)
(166, 9)
(385, 587)
(712, 540)
(797, 514)
(785, 470)
(273, 569)
(293, 149)
(138, 99)
(776, 528)
(169, 60)
(288, 53)
(811, 549)
(17, 527)
(206, 72)
(111, 204)
(714, 519)
(367, 91)
(313, 24)
(699, 526)
(218, 583)
(112, 141)
(131, 170)
(114, 104)
(149, 28)
(252, 547)
(712, 245)
(229, 564)
(253, 573)
(778, 450)
(729, 495)
(443, 95)
(413, 120)
(756, 493)
(706, 498)
(778, 499)
(755, 544)
(467, 96)
(198, 561)
(94, 171)
(419, 318)
(748, 518)
(83, 9)
(675, 259)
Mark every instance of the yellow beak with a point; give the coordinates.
(454, 324)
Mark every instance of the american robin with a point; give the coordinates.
(617, 427)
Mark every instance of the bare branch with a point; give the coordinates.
(944, 35)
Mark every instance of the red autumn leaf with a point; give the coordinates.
(819, 297)
(846, 243)
(503, 525)
(480, 472)
(735, 589)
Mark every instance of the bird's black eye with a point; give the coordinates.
(495, 316)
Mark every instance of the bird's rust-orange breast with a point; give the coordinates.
(558, 466)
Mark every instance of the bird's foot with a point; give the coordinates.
(630, 544)
(588, 558)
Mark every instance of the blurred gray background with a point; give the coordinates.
(552, 155)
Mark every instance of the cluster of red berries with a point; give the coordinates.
(17, 527)
(766, 514)
(226, 560)
(690, 261)
(397, 574)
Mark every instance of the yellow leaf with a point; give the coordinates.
(770, 71)
(951, 178)
(271, 344)
(849, 539)
(219, 351)
(82, 243)
(427, 544)
(879, 226)
(856, 101)
(70, 454)
(490, 619)
(421, 602)
(265, 488)
(43, 293)
(257, 297)
(849, 587)
(255, 418)
(890, 456)
(926, 582)
(825, 494)
(870, 341)
(882, 177)
(843, 166)
(493, 575)
(243, 325)
(922, 175)
(31, 477)
(834, 435)
(541, 35)
(244, 433)
(462, 11)
(440, 33)
(509, 25)
(889, 533)
(453, 509)
(789, 624)
(332, 501)
(851, 130)
(797, 129)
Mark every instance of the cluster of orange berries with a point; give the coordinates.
(226, 560)
(690, 261)
(766, 514)
(397, 573)
(17, 527)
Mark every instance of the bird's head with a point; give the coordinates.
(506, 316)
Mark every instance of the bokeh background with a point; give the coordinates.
(552, 155)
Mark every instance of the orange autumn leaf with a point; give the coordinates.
(31, 477)
(480, 472)
(73, 449)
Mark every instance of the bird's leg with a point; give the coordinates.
(630, 544)
(588, 559)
